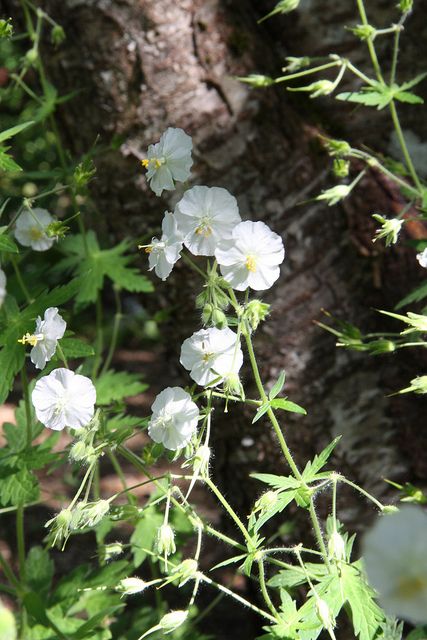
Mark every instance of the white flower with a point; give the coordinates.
(252, 256)
(211, 354)
(2, 286)
(395, 553)
(174, 418)
(30, 230)
(421, 257)
(169, 160)
(64, 399)
(165, 252)
(45, 338)
(206, 215)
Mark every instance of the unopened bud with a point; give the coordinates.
(186, 571)
(264, 502)
(201, 459)
(336, 546)
(57, 35)
(340, 167)
(257, 80)
(166, 540)
(111, 550)
(405, 5)
(255, 312)
(92, 514)
(31, 56)
(364, 31)
(335, 194)
(324, 614)
(78, 451)
(129, 586)
(173, 620)
(219, 319)
(207, 313)
(232, 385)
(389, 508)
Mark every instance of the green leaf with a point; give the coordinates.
(12, 358)
(287, 405)
(9, 133)
(278, 385)
(261, 411)
(7, 244)
(319, 461)
(406, 96)
(74, 348)
(17, 487)
(7, 163)
(420, 293)
(413, 82)
(366, 614)
(95, 264)
(113, 386)
(144, 535)
(39, 570)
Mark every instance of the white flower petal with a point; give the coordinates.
(64, 398)
(30, 229)
(169, 160)
(174, 418)
(2, 286)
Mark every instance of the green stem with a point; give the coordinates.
(395, 55)
(118, 469)
(233, 515)
(318, 533)
(9, 573)
(404, 147)
(270, 412)
(21, 283)
(28, 414)
(369, 42)
(264, 590)
(362, 491)
(99, 337)
(117, 319)
(20, 541)
(62, 355)
(300, 74)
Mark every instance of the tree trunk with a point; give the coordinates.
(142, 66)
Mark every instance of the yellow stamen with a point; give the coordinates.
(158, 163)
(27, 338)
(145, 163)
(148, 249)
(410, 587)
(207, 357)
(36, 233)
(250, 264)
(204, 230)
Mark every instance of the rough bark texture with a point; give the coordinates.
(143, 65)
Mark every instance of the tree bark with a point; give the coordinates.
(141, 66)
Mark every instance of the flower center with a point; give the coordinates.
(204, 229)
(36, 233)
(61, 404)
(250, 263)
(157, 162)
(31, 339)
(207, 357)
(411, 586)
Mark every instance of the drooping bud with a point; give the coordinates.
(265, 501)
(219, 319)
(340, 167)
(111, 550)
(93, 513)
(130, 586)
(165, 540)
(60, 527)
(255, 312)
(173, 620)
(336, 546)
(364, 31)
(389, 229)
(405, 5)
(324, 614)
(257, 80)
(185, 571)
(57, 35)
(335, 194)
(207, 313)
(201, 459)
(295, 64)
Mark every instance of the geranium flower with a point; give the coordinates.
(206, 215)
(30, 229)
(165, 252)
(395, 555)
(45, 337)
(2, 286)
(211, 354)
(174, 418)
(169, 160)
(64, 399)
(251, 257)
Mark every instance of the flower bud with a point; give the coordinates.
(336, 546)
(232, 385)
(60, 526)
(92, 514)
(219, 319)
(31, 56)
(57, 35)
(186, 571)
(265, 501)
(405, 5)
(6, 28)
(335, 194)
(389, 508)
(364, 31)
(318, 88)
(295, 64)
(339, 148)
(255, 312)
(78, 451)
(129, 586)
(340, 167)
(389, 230)
(111, 550)
(173, 620)
(207, 313)
(324, 614)
(257, 80)
(166, 540)
(201, 459)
